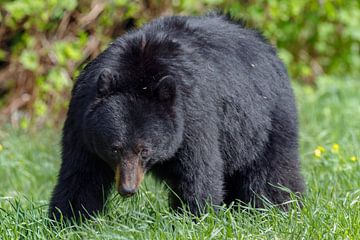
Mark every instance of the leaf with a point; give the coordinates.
(29, 59)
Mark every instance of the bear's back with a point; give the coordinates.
(238, 74)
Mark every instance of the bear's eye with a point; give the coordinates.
(145, 153)
(115, 149)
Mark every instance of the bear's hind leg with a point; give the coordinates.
(277, 166)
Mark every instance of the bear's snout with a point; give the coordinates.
(126, 192)
(128, 176)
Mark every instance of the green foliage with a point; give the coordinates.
(48, 42)
(314, 37)
(29, 59)
(29, 162)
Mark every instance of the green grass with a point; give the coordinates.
(331, 208)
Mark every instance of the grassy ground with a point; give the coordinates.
(330, 152)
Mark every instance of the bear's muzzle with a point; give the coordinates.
(128, 176)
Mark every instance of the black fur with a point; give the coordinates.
(209, 100)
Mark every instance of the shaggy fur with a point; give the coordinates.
(201, 102)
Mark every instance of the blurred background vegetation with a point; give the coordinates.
(44, 44)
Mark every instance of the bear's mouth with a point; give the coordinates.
(128, 176)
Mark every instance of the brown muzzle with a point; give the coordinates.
(128, 176)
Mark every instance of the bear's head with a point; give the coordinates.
(136, 118)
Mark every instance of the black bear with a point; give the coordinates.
(203, 103)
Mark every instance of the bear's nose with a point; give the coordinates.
(126, 191)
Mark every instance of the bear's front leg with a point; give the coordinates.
(83, 184)
(198, 176)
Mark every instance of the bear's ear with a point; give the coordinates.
(106, 83)
(166, 89)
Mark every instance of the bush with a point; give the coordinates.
(43, 44)
(313, 37)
